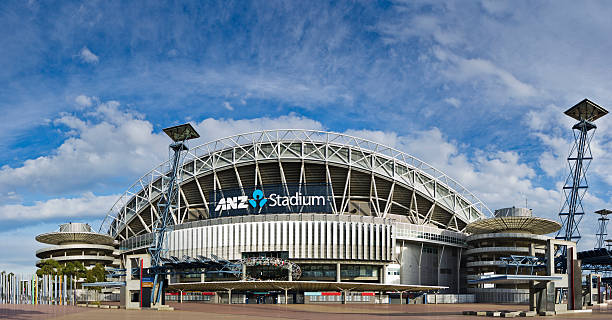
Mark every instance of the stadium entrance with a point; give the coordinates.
(262, 297)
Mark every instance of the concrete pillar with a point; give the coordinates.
(382, 275)
(181, 296)
(290, 274)
(286, 297)
(338, 272)
(532, 296)
(550, 257)
(459, 268)
(229, 296)
(202, 277)
(344, 292)
(401, 297)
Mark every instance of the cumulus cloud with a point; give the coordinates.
(498, 178)
(84, 101)
(86, 206)
(211, 129)
(104, 144)
(491, 76)
(453, 102)
(107, 146)
(87, 56)
(228, 106)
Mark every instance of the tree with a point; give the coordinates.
(96, 274)
(49, 267)
(75, 269)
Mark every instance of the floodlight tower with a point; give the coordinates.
(603, 224)
(167, 204)
(579, 159)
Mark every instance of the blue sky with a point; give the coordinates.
(476, 88)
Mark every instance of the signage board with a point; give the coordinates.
(147, 282)
(271, 199)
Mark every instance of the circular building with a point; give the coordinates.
(76, 242)
(343, 208)
(511, 243)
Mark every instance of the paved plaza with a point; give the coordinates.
(188, 311)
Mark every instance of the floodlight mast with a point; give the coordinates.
(603, 224)
(579, 159)
(167, 205)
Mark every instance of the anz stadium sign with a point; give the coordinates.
(282, 198)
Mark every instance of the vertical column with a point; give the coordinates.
(231, 236)
(377, 231)
(372, 250)
(303, 243)
(353, 241)
(278, 245)
(366, 242)
(341, 245)
(315, 239)
(334, 242)
(338, 275)
(266, 236)
(359, 227)
(248, 236)
(286, 239)
(243, 239)
(291, 247)
(260, 236)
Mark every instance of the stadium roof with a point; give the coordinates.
(526, 224)
(310, 146)
(56, 238)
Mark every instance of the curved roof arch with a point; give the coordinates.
(306, 145)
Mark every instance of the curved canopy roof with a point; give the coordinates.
(57, 238)
(307, 146)
(526, 224)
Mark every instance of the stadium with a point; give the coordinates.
(342, 208)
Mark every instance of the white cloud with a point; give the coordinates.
(86, 206)
(87, 56)
(490, 76)
(105, 144)
(228, 106)
(84, 101)
(212, 129)
(498, 178)
(453, 102)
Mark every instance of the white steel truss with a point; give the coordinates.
(303, 146)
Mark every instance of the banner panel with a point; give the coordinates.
(271, 199)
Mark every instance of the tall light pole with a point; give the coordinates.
(579, 159)
(603, 224)
(167, 205)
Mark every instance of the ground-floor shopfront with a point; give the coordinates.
(294, 292)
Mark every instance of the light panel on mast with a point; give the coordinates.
(181, 132)
(586, 110)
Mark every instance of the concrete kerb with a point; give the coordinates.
(500, 313)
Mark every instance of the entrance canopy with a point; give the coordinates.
(299, 285)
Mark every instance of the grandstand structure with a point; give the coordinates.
(342, 208)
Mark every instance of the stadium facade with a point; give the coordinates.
(343, 208)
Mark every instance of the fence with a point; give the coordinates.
(451, 298)
(48, 289)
